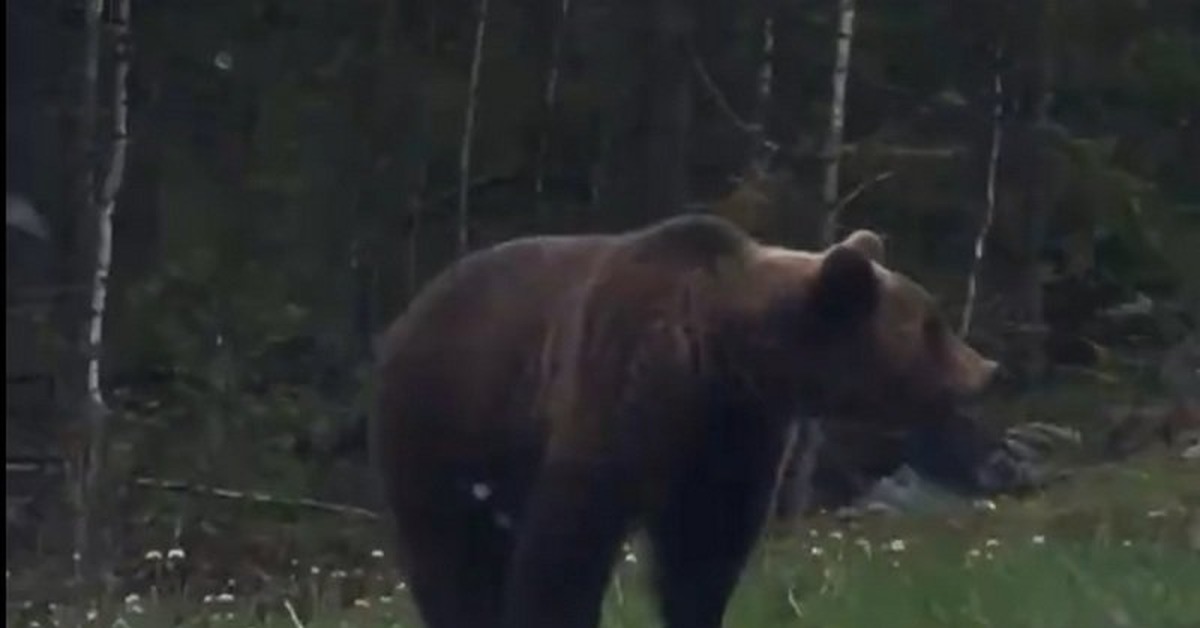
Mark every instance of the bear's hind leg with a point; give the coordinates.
(457, 559)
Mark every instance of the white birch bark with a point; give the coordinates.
(107, 199)
(464, 161)
(837, 118)
(990, 192)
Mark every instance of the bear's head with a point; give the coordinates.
(860, 341)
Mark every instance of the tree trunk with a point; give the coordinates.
(464, 160)
(94, 255)
(990, 195)
(83, 416)
(837, 119)
(668, 109)
(549, 107)
(763, 148)
(646, 171)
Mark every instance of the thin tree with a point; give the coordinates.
(990, 196)
(837, 118)
(766, 76)
(89, 415)
(97, 207)
(464, 160)
(549, 103)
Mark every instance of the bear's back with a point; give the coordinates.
(467, 353)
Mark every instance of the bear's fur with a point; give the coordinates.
(541, 399)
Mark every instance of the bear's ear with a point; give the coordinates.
(846, 289)
(868, 243)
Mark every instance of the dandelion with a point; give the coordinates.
(314, 570)
(1038, 539)
(208, 598)
(836, 535)
(991, 543)
(92, 614)
(154, 555)
(402, 585)
(176, 553)
(817, 551)
(377, 553)
(362, 603)
(973, 552)
(896, 545)
(986, 505)
(132, 598)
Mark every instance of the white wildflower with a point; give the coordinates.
(176, 553)
(1038, 539)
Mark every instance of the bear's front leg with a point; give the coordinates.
(573, 525)
(713, 518)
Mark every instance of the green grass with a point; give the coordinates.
(1111, 548)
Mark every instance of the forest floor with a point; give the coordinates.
(1115, 546)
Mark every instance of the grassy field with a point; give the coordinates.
(1117, 546)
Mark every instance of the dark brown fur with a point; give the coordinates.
(542, 399)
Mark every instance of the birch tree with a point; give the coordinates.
(97, 206)
(837, 118)
(763, 147)
(464, 159)
(989, 195)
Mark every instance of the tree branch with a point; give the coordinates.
(179, 486)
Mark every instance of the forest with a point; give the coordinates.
(214, 209)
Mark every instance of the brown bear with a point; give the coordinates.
(542, 399)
